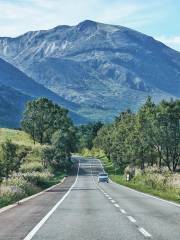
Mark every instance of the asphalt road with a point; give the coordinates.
(91, 211)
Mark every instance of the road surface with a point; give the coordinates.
(82, 209)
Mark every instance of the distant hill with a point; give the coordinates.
(12, 103)
(16, 89)
(102, 69)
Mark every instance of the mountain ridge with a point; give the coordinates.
(103, 69)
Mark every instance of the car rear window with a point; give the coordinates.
(103, 174)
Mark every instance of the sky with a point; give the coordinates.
(157, 18)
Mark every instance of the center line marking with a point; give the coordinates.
(123, 211)
(131, 219)
(113, 201)
(116, 205)
(109, 198)
(144, 232)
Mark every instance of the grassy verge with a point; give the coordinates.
(146, 183)
(32, 177)
(19, 189)
(58, 176)
(167, 194)
(18, 137)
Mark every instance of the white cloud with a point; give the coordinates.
(172, 41)
(19, 16)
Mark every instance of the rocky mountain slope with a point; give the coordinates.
(100, 68)
(11, 106)
(16, 89)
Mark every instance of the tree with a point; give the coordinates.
(168, 124)
(42, 118)
(62, 142)
(151, 136)
(87, 133)
(58, 154)
(9, 161)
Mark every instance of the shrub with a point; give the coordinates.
(31, 167)
(34, 154)
(9, 195)
(14, 189)
(39, 179)
(19, 183)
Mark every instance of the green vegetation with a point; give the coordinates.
(149, 137)
(17, 137)
(39, 156)
(42, 118)
(86, 134)
(145, 146)
(162, 184)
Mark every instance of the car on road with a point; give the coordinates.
(103, 177)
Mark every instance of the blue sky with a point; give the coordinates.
(157, 18)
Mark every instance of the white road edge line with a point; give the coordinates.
(144, 232)
(41, 223)
(147, 195)
(131, 219)
(30, 197)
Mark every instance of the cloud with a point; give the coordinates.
(19, 16)
(171, 41)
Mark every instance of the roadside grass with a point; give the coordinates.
(146, 183)
(139, 185)
(58, 176)
(13, 191)
(32, 176)
(16, 136)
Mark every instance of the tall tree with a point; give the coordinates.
(42, 118)
(9, 160)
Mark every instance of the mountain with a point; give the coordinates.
(12, 103)
(16, 89)
(13, 77)
(102, 69)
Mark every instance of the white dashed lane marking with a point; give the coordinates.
(144, 232)
(123, 211)
(116, 205)
(131, 219)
